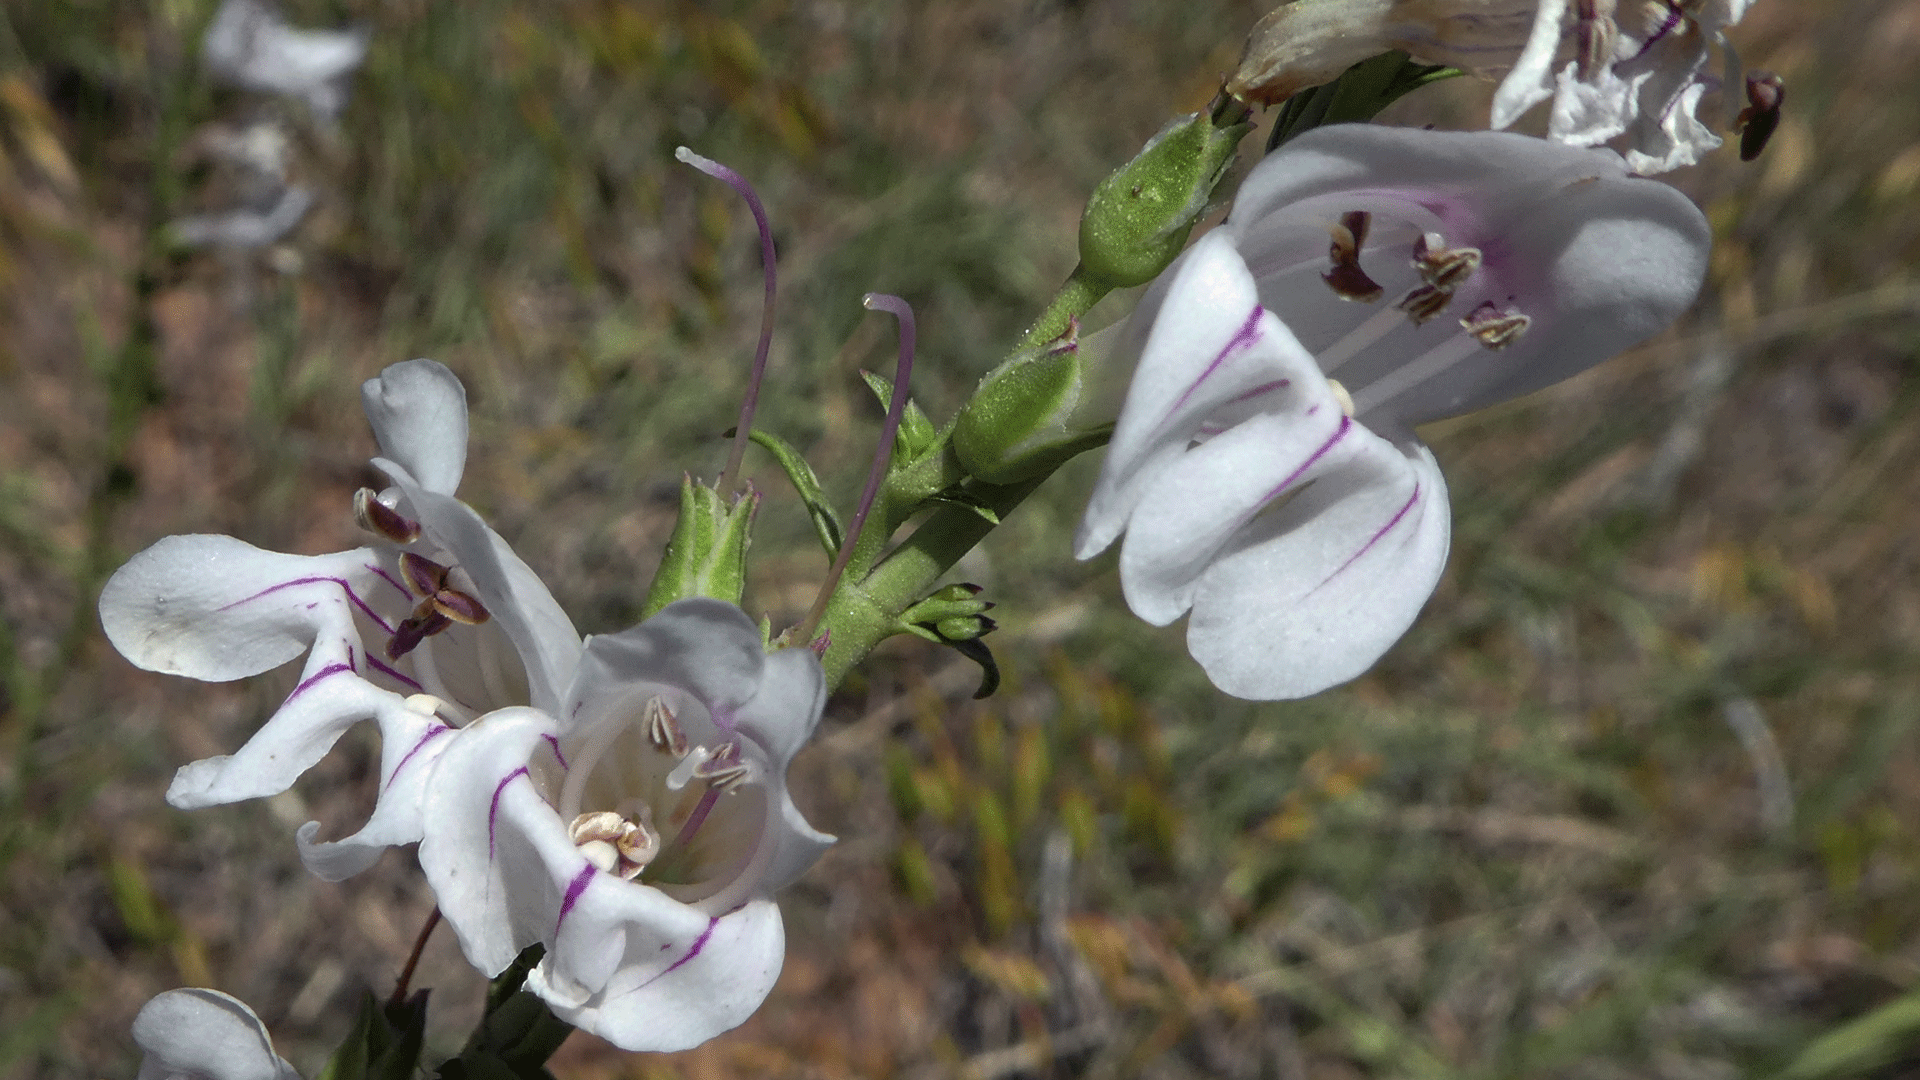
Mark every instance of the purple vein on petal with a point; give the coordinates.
(493, 811)
(390, 673)
(1346, 424)
(1248, 333)
(1666, 27)
(574, 888)
(432, 734)
(325, 672)
(342, 582)
(554, 741)
(389, 579)
(1374, 539)
(693, 950)
(1265, 388)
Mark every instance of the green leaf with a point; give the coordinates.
(917, 433)
(1358, 94)
(960, 497)
(826, 524)
(384, 1043)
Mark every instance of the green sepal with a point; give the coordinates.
(806, 483)
(707, 553)
(1357, 95)
(960, 497)
(917, 433)
(1138, 219)
(384, 1043)
(977, 651)
(1012, 426)
(517, 1032)
(953, 601)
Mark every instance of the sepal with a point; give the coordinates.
(707, 553)
(1138, 219)
(385, 1042)
(1018, 424)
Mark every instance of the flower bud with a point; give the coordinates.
(1016, 424)
(707, 553)
(1137, 219)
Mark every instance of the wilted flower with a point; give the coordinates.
(193, 1034)
(1638, 70)
(638, 836)
(1299, 518)
(458, 625)
(250, 44)
(1635, 71)
(1306, 43)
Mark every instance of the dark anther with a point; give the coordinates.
(1347, 280)
(1765, 94)
(377, 517)
(415, 629)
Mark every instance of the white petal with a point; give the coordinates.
(1677, 138)
(548, 644)
(215, 608)
(786, 707)
(708, 648)
(1319, 590)
(689, 996)
(410, 742)
(1209, 343)
(1193, 508)
(250, 44)
(207, 1035)
(1530, 81)
(1586, 114)
(418, 410)
(491, 885)
(330, 698)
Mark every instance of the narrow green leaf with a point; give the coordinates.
(826, 524)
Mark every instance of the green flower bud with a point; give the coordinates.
(1015, 426)
(1138, 219)
(707, 553)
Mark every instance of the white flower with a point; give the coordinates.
(458, 625)
(1639, 72)
(250, 44)
(1298, 518)
(639, 836)
(193, 1034)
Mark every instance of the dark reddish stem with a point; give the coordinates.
(752, 399)
(882, 454)
(413, 960)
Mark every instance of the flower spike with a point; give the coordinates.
(744, 429)
(882, 454)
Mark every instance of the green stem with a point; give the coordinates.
(863, 614)
(1074, 299)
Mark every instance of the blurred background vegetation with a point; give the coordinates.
(1638, 797)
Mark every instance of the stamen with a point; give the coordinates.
(1358, 339)
(415, 629)
(1766, 93)
(684, 771)
(882, 454)
(1347, 280)
(663, 728)
(1443, 267)
(1425, 302)
(1595, 36)
(424, 576)
(377, 517)
(1494, 326)
(459, 606)
(744, 427)
(1414, 372)
(724, 771)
